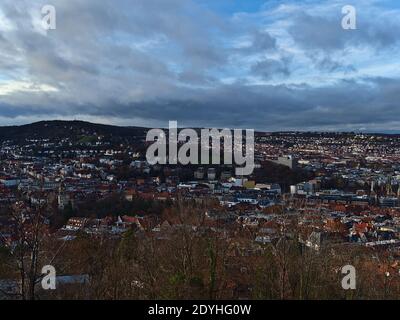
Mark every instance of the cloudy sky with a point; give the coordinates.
(262, 64)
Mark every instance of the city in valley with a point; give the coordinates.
(82, 198)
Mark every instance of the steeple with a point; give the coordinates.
(61, 188)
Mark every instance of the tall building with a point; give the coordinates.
(63, 198)
(211, 174)
(287, 161)
(199, 173)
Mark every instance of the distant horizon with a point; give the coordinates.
(200, 127)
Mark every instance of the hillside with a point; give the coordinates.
(60, 129)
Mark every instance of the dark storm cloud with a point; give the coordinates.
(346, 106)
(269, 68)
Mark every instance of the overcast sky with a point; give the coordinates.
(270, 65)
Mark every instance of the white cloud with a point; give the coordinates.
(12, 87)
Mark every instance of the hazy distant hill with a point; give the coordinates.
(57, 129)
(73, 129)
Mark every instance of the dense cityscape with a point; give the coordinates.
(83, 197)
(199, 158)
